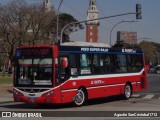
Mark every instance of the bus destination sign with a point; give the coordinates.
(33, 52)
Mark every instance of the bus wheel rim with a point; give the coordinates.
(127, 91)
(79, 99)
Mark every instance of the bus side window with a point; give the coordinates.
(85, 64)
(107, 63)
(135, 63)
(73, 64)
(98, 63)
(122, 63)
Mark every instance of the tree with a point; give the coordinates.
(21, 23)
(40, 24)
(12, 27)
(120, 44)
(149, 51)
(27, 24)
(65, 19)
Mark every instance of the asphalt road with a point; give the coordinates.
(153, 84)
(146, 101)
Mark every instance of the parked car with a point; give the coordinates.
(7, 70)
(152, 70)
(158, 69)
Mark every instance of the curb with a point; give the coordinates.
(3, 102)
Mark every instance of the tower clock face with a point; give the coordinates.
(92, 16)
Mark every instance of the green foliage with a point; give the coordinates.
(119, 44)
(122, 44)
(65, 19)
(151, 50)
(27, 24)
(5, 79)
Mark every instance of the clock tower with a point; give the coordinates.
(92, 26)
(47, 5)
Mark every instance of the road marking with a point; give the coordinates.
(135, 95)
(148, 97)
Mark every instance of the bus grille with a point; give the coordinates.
(30, 90)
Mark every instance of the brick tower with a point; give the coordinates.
(92, 26)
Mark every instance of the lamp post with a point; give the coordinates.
(118, 15)
(115, 26)
(58, 17)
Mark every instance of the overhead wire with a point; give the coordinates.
(103, 14)
(81, 14)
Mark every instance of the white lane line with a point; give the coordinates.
(148, 97)
(135, 95)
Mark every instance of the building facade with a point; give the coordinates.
(127, 37)
(92, 26)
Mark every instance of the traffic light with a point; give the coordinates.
(138, 11)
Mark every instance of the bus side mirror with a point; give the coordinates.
(64, 62)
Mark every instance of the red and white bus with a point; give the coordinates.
(56, 74)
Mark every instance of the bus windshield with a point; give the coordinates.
(33, 72)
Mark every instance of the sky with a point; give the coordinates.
(148, 27)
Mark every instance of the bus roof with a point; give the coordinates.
(35, 46)
(86, 47)
(86, 44)
(90, 49)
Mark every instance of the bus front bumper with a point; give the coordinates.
(39, 100)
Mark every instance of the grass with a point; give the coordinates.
(6, 78)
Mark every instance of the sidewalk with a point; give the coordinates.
(6, 93)
(6, 98)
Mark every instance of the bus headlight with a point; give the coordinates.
(17, 93)
(50, 93)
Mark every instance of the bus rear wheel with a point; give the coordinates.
(127, 92)
(80, 98)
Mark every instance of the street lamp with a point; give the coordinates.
(115, 26)
(58, 17)
(72, 23)
(118, 15)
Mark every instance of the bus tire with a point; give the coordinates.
(127, 91)
(80, 98)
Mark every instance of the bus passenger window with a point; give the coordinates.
(122, 63)
(73, 64)
(83, 60)
(98, 64)
(72, 61)
(85, 64)
(107, 63)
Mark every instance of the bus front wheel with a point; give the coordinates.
(80, 98)
(127, 91)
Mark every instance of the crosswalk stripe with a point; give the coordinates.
(135, 95)
(148, 96)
